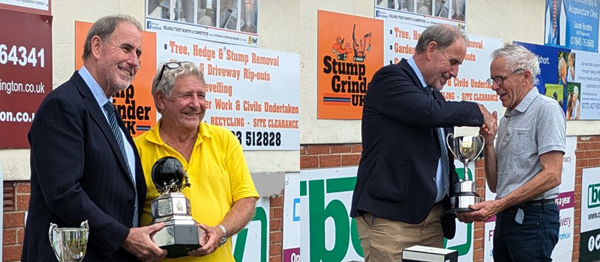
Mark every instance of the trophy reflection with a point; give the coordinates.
(180, 233)
(69, 243)
(465, 149)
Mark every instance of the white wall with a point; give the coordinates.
(290, 25)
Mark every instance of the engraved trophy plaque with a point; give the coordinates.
(180, 233)
(465, 149)
(69, 243)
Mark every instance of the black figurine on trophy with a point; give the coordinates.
(180, 234)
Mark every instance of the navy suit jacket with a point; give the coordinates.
(397, 170)
(78, 173)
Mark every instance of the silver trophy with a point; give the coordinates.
(180, 234)
(465, 149)
(69, 243)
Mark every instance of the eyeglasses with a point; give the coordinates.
(170, 65)
(500, 79)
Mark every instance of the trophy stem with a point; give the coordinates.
(466, 170)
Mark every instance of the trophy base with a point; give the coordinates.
(178, 240)
(461, 203)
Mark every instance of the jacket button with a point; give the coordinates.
(434, 179)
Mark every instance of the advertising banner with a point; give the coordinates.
(419, 12)
(40, 7)
(587, 78)
(225, 21)
(400, 40)
(251, 244)
(253, 92)
(572, 24)
(565, 201)
(563, 251)
(589, 240)
(291, 218)
(463, 239)
(349, 53)
(25, 72)
(317, 225)
(135, 104)
(571, 78)
(328, 231)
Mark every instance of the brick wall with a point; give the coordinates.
(588, 155)
(16, 201)
(276, 229)
(16, 196)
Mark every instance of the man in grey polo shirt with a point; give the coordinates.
(524, 168)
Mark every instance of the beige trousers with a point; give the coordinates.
(383, 240)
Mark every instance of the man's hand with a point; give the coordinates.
(488, 133)
(213, 236)
(490, 123)
(139, 242)
(481, 211)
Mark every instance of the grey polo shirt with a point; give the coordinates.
(535, 127)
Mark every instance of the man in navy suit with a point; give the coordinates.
(406, 174)
(80, 168)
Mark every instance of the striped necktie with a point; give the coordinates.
(116, 130)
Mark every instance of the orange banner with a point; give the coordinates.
(350, 51)
(135, 104)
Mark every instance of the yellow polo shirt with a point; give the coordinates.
(217, 172)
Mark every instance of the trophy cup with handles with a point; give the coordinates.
(465, 149)
(69, 243)
(180, 234)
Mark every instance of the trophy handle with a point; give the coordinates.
(480, 150)
(448, 144)
(51, 233)
(84, 225)
(186, 183)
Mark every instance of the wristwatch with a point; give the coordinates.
(224, 239)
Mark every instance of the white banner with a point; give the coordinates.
(328, 231)
(400, 40)
(253, 92)
(589, 248)
(200, 32)
(317, 226)
(463, 239)
(488, 233)
(225, 21)
(251, 244)
(563, 250)
(587, 74)
(291, 218)
(414, 19)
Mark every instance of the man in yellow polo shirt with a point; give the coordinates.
(222, 195)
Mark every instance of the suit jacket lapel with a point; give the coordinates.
(98, 116)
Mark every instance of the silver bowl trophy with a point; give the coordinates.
(69, 243)
(465, 149)
(180, 233)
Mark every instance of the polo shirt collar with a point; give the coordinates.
(525, 103)
(154, 136)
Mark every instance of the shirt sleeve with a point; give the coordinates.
(551, 129)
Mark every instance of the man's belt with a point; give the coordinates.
(539, 202)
